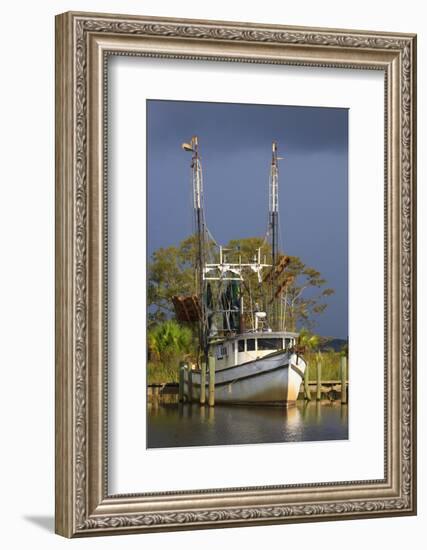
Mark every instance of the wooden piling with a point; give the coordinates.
(211, 363)
(318, 379)
(203, 384)
(190, 384)
(156, 397)
(181, 382)
(307, 393)
(343, 380)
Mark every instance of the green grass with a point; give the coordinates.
(330, 365)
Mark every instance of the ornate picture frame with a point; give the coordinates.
(83, 43)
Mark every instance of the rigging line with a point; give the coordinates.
(203, 208)
(251, 305)
(266, 236)
(285, 301)
(211, 236)
(281, 247)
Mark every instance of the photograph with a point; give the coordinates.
(235, 271)
(247, 273)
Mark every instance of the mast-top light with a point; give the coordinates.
(196, 166)
(192, 146)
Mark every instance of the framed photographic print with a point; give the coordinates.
(235, 274)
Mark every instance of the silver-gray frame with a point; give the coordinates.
(83, 43)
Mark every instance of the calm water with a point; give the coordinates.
(189, 425)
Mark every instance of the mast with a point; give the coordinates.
(199, 222)
(274, 202)
(274, 225)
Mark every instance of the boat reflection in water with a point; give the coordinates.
(192, 425)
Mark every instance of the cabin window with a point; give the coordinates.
(288, 342)
(233, 346)
(221, 352)
(241, 345)
(265, 344)
(250, 344)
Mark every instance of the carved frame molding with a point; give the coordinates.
(83, 43)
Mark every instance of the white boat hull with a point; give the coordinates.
(274, 379)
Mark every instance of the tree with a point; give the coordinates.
(305, 297)
(171, 272)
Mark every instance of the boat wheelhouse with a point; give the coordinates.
(250, 346)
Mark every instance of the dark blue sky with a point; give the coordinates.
(235, 146)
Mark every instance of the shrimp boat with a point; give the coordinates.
(240, 311)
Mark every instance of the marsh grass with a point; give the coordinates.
(330, 360)
(161, 373)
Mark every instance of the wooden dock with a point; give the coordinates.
(328, 389)
(159, 394)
